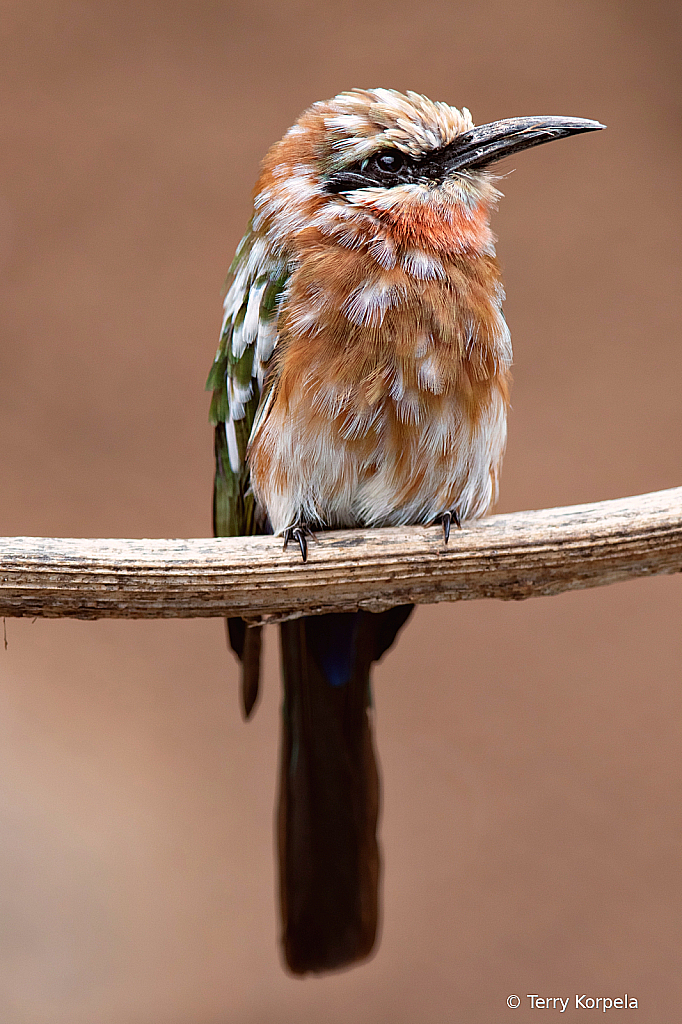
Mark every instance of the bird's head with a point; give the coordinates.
(393, 172)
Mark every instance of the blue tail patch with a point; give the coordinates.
(332, 640)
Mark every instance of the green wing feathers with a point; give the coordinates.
(247, 341)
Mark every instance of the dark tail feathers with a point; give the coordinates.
(245, 641)
(329, 788)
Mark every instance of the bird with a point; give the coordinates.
(362, 380)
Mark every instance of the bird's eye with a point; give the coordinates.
(389, 161)
(386, 168)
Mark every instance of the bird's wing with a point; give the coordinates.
(247, 341)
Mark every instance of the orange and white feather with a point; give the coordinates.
(380, 359)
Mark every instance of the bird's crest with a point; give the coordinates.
(362, 122)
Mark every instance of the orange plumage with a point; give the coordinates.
(390, 380)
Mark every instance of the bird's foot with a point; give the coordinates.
(299, 532)
(447, 519)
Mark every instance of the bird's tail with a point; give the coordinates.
(329, 787)
(245, 641)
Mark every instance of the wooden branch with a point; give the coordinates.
(526, 554)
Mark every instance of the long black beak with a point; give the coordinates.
(490, 142)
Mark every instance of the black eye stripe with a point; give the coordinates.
(386, 168)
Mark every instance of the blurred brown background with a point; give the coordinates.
(530, 751)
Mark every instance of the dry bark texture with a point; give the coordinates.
(526, 554)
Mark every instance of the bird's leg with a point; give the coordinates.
(446, 519)
(299, 532)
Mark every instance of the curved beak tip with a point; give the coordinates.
(587, 124)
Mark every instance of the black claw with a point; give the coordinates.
(447, 519)
(447, 516)
(299, 533)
